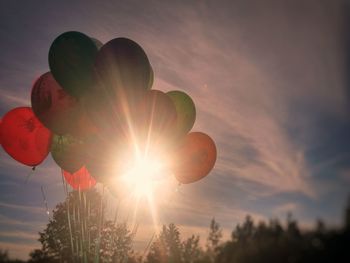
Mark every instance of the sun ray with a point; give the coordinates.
(154, 212)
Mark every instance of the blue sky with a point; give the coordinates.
(269, 79)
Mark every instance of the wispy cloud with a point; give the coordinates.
(282, 210)
(23, 208)
(11, 99)
(19, 235)
(241, 114)
(248, 105)
(10, 221)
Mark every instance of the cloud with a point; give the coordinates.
(259, 107)
(11, 99)
(345, 175)
(241, 113)
(282, 210)
(10, 221)
(23, 208)
(47, 173)
(21, 235)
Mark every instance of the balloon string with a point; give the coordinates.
(132, 236)
(79, 232)
(114, 224)
(65, 190)
(70, 225)
(31, 172)
(76, 240)
(116, 212)
(45, 201)
(85, 228)
(97, 249)
(177, 191)
(135, 228)
(76, 230)
(129, 211)
(89, 223)
(147, 247)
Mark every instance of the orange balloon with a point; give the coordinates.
(195, 158)
(80, 180)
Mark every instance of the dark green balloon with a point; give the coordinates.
(186, 111)
(102, 160)
(71, 60)
(66, 151)
(97, 42)
(123, 70)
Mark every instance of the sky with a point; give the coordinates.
(271, 87)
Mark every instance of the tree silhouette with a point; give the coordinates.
(66, 239)
(169, 248)
(213, 240)
(78, 232)
(4, 257)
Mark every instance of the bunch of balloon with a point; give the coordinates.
(95, 102)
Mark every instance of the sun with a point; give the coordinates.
(145, 178)
(143, 174)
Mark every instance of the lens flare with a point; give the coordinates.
(143, 179)
(143, 175)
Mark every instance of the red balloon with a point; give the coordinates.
(57, 110)
(195, 158)
(23, 136)
(80, 180)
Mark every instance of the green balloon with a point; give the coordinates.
(71, 60)
(186, 111)
(123, 71)
(97, 42)
(67, 152)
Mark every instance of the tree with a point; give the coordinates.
(245, 232)
(78, 232)
(213, 240)
(215, 235)
(4, 258)
(40, 256)
(167, 247)
(191, 251)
